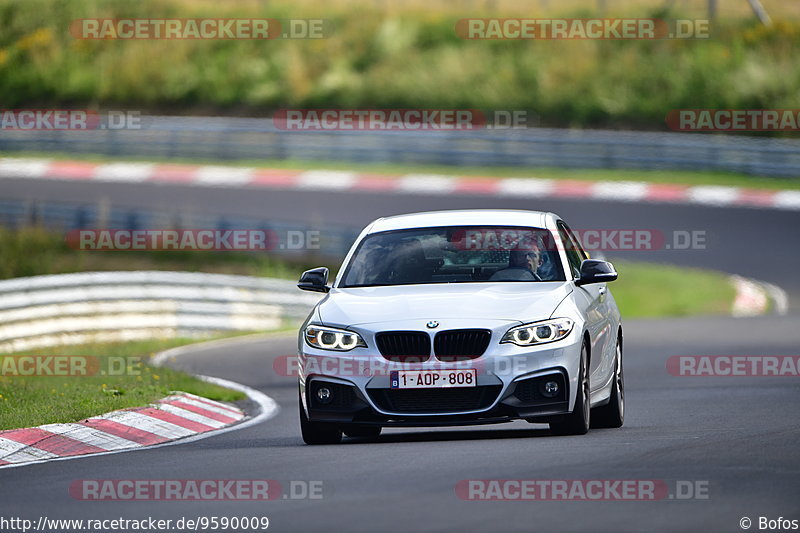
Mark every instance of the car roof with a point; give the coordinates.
(464, 217)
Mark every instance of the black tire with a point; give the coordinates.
(367, 432)
(318, 432)
(612, 415)
(578, 421)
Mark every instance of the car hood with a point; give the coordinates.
(501, 301)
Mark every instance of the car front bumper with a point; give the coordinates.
(509, 386)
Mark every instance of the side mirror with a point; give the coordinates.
(315, 280)
(596, 271)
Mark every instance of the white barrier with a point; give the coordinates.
(44, 311)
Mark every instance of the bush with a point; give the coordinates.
(387, 56)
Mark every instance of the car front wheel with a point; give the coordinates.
(318, 432)
(577, 422)
(612, 415)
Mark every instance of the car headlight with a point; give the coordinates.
(339, 340)
(551, 330)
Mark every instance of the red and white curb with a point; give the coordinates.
(429, 184)
(753, 298)
(177, 416)
(177, 419)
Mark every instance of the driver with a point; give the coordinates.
(534, 258)
(528, 259)
(523, 265)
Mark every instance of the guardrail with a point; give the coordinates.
(44, 311)
(242, 138)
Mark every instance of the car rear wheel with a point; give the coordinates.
(577, 422)
(318, 432)
(612, 415)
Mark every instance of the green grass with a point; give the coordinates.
(397, 55)
(679, 177)
(34, 251)
(32, 401)
(648, 290)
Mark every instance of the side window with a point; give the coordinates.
(577, 243)
(574, 253)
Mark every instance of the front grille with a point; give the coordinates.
(404, 346)
(461, 344)
(435, 400)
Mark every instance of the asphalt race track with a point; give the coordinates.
(737, 436)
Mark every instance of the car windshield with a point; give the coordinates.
(461, 254)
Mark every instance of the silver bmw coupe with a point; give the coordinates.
(457, 318)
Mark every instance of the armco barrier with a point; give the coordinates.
(210, 138)
(44, 311)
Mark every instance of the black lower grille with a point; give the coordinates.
(435, 400)
(404, 346)
(461, 344)
(532, 391)
(341, 396)
(527, 391)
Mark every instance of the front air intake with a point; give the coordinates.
(404, 346)
(461, 344)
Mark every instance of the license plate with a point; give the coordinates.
(433, 379)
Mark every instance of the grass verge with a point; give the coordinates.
(649, 290)
(33, 251)
(123, 379)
